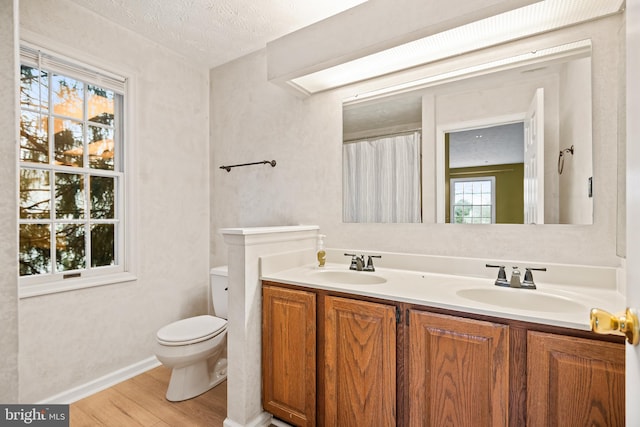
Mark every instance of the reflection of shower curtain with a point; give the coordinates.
(381, 179)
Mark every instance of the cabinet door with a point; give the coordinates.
(574, 382)
(458, 371)
(360, 363)
(289, 355)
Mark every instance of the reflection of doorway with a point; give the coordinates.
(492, 153)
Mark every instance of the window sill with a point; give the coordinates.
(34, 290)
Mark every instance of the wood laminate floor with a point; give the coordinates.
(140, 401)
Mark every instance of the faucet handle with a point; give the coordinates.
(357, 262)
(354, 261)
(502, 275)
(370, 266)
(528, 277)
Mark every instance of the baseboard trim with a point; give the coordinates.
(104, 382)
(279, 423)
(263, 419)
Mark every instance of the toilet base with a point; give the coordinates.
(193, 380)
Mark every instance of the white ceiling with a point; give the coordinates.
(213, 32)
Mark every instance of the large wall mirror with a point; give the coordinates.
(508, 144)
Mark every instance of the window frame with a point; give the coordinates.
(123, 271)
(452, 205)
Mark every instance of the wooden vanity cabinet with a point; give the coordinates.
(289, 354)
(458, 371)
(574, 381)
(357, 343)
(337, 360)
(359, 372)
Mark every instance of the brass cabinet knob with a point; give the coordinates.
(626, 324)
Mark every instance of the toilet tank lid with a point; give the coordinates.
(222, 270)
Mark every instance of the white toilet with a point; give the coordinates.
(196, 348)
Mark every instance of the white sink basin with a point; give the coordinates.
(348, 277)
(522, 299)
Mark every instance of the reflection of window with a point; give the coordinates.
(71, 171)
(473, 200)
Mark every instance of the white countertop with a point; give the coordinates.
(549, 304)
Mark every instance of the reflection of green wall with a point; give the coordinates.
(509, 189)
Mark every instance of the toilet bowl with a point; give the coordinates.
(195, 348)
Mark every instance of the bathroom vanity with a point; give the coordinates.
(341, 348)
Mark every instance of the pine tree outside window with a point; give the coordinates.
(71, 162)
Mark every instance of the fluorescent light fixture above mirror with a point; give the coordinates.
(526, 21)
(575, 49)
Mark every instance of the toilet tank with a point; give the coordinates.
(219, 290)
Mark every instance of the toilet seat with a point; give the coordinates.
(191, 331)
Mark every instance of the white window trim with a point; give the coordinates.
(452, 205)
(126, 270)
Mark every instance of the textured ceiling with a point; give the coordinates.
(213, 32)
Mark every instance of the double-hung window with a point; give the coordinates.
(473, 200)
(72, 181)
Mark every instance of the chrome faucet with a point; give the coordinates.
(515, 282)
(357, 262)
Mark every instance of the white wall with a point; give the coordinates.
(252, 119)
(8, 206)
(575, 116)
(70, 338)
